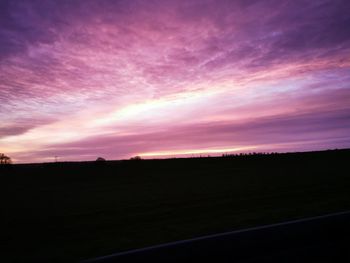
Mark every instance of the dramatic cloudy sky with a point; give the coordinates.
(81, 79)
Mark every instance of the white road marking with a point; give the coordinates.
(218, 235)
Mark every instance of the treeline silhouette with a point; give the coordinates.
(4, 159)
(249, 154)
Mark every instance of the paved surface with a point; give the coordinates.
(318, 239)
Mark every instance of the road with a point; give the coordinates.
(318, 239)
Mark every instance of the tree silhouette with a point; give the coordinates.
(136, 158)
(5, 159)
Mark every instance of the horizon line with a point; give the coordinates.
(245, 154)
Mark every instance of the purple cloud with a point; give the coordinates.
(108, 67)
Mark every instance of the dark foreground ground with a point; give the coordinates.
(65, 212)
(320, 239)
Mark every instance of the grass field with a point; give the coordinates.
(64, 212)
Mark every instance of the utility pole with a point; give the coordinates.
(56, 158)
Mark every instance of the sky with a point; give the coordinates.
(161, 78)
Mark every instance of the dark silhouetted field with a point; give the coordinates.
(73, 211)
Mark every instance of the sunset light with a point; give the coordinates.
(162, 78)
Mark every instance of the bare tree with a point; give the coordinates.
(5, 159)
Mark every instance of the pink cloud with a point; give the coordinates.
(144, 74)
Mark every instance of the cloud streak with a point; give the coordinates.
(124, 73)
